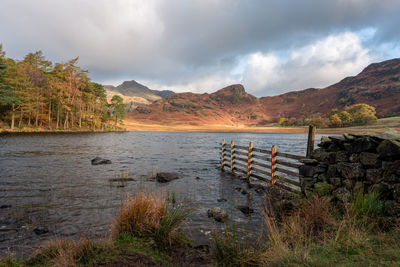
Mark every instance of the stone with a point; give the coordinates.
(369, 159)
(342, 194)
(354, 158)
(165, 177)
(350, 170)
(323, 188)
(391, 167)
(341, 156)
(245, 209)
(322, 156)
(349, 184)
(333, 148)
(383, 190)
(391, 208)
(396, 192)
(391, 178)
(309, 171)
(100, 161)
(374, 175)
(348, 136)
(221, 200)
(335, 181)
(364, 144)
(5, 206)
(332, 171)
(40, 230)
(311, 162)
(217, 213)
(322, 177)
(389, 148)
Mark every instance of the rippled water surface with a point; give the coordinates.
(47, 181)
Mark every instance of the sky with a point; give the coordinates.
(269, 46)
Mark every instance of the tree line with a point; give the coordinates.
(35, 92)
(358, 114)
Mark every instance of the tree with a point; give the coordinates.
(361, 113)
(335, 121)
(118, 108)
(283, 121)
(346, 118)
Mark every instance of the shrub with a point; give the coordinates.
(150, 216)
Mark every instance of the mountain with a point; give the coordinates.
(377, 85)
(135, 93)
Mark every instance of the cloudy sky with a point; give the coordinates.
(270, 46)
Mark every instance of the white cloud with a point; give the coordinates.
(315, 65)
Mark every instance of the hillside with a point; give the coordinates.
(135, 93)
(377, 85)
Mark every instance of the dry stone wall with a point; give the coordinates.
(345, 165)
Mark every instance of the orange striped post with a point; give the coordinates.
(249, 161)
(273, 164)
(232, 156)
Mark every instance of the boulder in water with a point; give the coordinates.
(99, 161)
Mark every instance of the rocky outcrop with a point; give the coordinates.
(344, 165)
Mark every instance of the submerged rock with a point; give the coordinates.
(99, 161)
(217, 213)
(165, 177)
(40, 230)
(245, 209)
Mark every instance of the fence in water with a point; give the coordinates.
(267, 165)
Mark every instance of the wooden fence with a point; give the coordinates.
(263, 164)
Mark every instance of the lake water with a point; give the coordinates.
(47, 181)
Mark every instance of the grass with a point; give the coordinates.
(319, 234)
(144, 233)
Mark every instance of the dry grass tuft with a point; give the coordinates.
(69, 252)
(149, 216)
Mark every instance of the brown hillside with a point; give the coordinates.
(377, 85)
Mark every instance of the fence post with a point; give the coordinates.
(310, 141)
(249, 161)
(223, 155)
(232, 156)
(273, 164)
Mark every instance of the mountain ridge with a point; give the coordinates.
(378, 85)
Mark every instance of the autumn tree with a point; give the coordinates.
(118, 108)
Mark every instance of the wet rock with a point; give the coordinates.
(221, 200)
(369, 159)
(342, 194)
(5, 206)
(323, 156)
(165, 177)
(245, 209)
(389, 148)
(100, 161)
(217, 213)
(350, 170)
(40, 230)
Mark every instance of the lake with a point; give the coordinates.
(47, 181)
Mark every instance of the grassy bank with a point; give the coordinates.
(47, 130)
(313, 232)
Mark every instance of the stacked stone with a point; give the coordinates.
(351, 163)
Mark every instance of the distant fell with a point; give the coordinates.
(377, 85)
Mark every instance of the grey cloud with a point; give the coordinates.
(176, 41)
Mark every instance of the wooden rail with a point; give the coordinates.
(275, 167)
